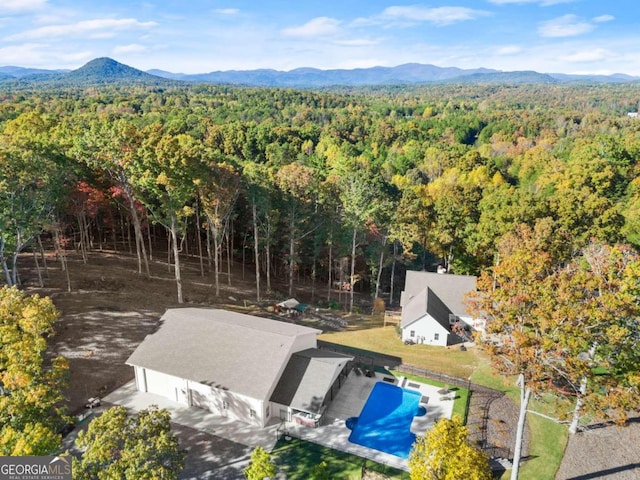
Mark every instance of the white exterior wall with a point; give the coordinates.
(283, 412)
(166, 386)
(217, 401)
(227, 404)
(302, 342)
(425, 330)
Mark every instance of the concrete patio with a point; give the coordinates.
(128, 396)
(332, 433)
(351, 398)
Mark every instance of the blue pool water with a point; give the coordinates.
(385, 421)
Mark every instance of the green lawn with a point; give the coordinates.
(298, 459)
(451, 361)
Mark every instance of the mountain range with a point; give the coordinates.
(103, 71)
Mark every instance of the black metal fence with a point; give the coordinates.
(373, 360)
(333, 458)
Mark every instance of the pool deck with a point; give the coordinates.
(333, 433)
(349, 402)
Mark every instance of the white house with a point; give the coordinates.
(432, 303)
(240, 366)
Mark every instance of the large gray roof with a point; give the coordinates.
(234, 351)
(307, 379)
(436, 293)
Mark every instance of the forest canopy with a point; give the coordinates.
(335, 185)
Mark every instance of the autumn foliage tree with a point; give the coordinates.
(566, 327)
(445, 453)
(30, 385)
(261, 465)
(116, 445)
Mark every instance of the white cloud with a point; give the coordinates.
(131, 48)
(565, 26)
(508, 50)
(543, 3)
(604, 18)
(437, 16)
(317, 27)
(17, 6)
(596, 55)
(28, 53)
(357, 42)
(227, 11)
(98, 28)
(43, 55)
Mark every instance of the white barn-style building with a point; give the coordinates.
(244, 367)
(432, 303)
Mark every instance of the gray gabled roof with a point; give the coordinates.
(307, 379)
(241, 353)
(435, 293)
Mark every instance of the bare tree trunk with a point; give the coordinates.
(35, 259)
(525, 393)
(256, 249)
(174, 241)
(292, 252)
(573, 428)
(393, 271)
(199, 239)
(43, 256)
(169, 252)
(216, 258)
(140, 248)
(229, 249)
(353, 269)
(330, 281)
(5, 267)
(149, 239)
(82, 240)
(268, 255)
(123, 236)
(208, 243)
(384, 243)
(61, 254)
(14, 258)
(129, 236)
(114, 234)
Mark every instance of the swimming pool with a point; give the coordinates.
(385, 421)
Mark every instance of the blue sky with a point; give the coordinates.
(197, 36)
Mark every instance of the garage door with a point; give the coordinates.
(164, 385)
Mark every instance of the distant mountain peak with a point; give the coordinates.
(105, 70)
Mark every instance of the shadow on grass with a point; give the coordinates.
(364, 357)
(299, 459)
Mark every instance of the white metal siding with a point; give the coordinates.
(167, 386)
(425, 330)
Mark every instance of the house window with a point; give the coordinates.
(412, 333)
(252, 413)
(452, 319)
(436, 336)
(225, 405)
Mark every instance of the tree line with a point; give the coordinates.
(344, 187)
